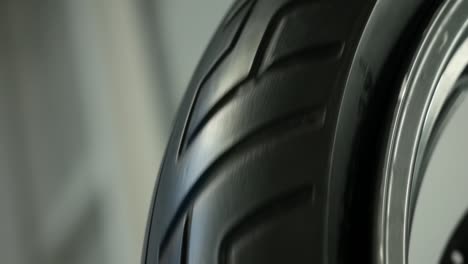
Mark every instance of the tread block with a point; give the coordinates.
(221, 46)
(305, 33)
(290, 235)
(229, 71)
(215, 56)
(277, 44)
(264, 174)
(272, 96)
(289, 102)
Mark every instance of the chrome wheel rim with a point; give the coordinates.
(440, 61)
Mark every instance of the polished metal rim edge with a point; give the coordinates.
(439, 62)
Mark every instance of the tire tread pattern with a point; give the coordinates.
(258, 102)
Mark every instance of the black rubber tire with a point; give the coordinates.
(272, 156)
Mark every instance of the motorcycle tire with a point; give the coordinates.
(281, 145)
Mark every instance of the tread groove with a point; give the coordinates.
(307, 119)
(186, 238)
(270, 31)
(225, 99)
(277, 206)
(236, 9)
(315, 52)
(318, 51)
(183, 141)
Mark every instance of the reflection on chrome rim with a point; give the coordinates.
(441, 59)
(441, 198)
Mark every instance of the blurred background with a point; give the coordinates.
(88, 92)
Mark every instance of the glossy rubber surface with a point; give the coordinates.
(268, 159)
